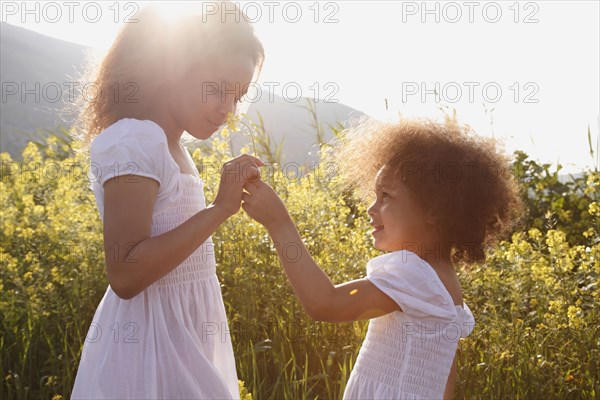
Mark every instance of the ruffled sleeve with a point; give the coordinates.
(406, 280)
(130, 147)
(467, 320)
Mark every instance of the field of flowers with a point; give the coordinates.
(536, 299)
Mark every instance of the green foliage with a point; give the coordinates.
(535, 301)
(51, 269)
(556, 204)
(536, 304)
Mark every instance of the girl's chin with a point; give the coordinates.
(202, 134)
(381, 246)
(378, 245)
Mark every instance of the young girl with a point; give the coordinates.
(160, 330)
(440, 196)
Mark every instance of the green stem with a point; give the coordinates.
(251, 137)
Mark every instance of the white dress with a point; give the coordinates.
(408, 354)
(172, 340)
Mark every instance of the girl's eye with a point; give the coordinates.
(384, 195)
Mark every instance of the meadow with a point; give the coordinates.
(535, 299)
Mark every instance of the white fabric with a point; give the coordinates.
(408, 354)
(172, 340)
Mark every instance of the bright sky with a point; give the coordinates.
(536, 64)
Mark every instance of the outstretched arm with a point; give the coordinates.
(351, 301)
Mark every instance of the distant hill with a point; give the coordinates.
(29, 58)
(292, 125)
(41, 66)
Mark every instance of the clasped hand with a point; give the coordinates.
(259, 201)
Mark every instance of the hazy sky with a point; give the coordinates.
(536, 64)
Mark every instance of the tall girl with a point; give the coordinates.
(160, 331)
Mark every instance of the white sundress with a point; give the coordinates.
(408, 354)
(172, 340)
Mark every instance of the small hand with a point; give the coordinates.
(234, 175)
(264, 205)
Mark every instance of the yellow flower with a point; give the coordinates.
(594, 208)
(232, 121)
(244, 394)
(588, 233)
(555, 305)
(38, 210)
(534, 233)
(593, 179)
(575, 320)
(533, 302)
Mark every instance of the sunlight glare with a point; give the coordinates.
(173, 11)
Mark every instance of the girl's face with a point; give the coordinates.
(398, 220)
(201, 100)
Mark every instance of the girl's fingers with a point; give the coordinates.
(258, 161)
(240, 171)
(253, 186)
(245, 157)
(253, 172)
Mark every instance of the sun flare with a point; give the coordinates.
(172, 12)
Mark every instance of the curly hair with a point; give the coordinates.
(153, 50)
(466, 180)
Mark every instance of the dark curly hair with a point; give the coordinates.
(464, 179)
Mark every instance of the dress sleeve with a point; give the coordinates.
(129, 149)
(405, 279)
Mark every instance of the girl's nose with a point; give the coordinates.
(371, 209)
(227, 106)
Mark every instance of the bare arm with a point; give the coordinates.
(351, 301)
(449, 392)
(134, 260)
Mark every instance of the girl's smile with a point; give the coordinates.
(378, 228)
(398, 220)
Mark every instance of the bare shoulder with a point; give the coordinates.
(447, 274)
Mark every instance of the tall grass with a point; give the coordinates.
(535, 301)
